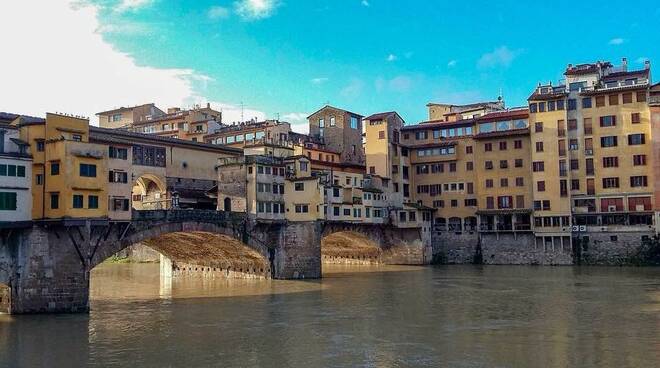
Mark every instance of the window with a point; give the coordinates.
(614, 99)
(539, 146)
(490, 203)
(639, 160)
(488, 165)
(333, 122)
(381, 134)
(575, 184)
(538, 127)
(39, 178)
(611, 161)
(303, 166)
(638, 181)
(610, 183)
(504, 202)
(354, 122)
(538, 166)
(302, 208)
(609, 141)
(468, 149)
(636, 139)
(118, 177)
(76, 137)
(149, 156)
(118, 153)
(533, 108)
(586, 103)
(560, 104)
(541, 106)
(641, 96)
(77, 201)
(504, 182)
(420, 135)
(627, 98)
(635, 118)
(575, 164)
(469, 166)
(504, 164)
(587, 125)
(600, 101)
(488, 147)
(452, 167)
(299, 187)
(93, 201)
(573, 144)
(502, 146)
(608, 121)
(54, 168)
(517, 144)
(54, 201)
(489, 183)
(8, 201)
(572, 104)
(40, 146)
(540, 186)
(520, 182)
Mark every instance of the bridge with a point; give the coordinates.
(46, 265)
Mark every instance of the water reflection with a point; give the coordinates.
(387, 317)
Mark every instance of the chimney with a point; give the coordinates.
(208, 105)
(624, 64)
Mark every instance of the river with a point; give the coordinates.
(368, 316)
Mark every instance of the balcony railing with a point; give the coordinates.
(654, 100)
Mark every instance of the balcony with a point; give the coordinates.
(654, 100)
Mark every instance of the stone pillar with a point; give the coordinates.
(165, 290)
(49, 275)
(298, 252)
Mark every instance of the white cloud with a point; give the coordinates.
(298, 121)
(391, 57)
(365, 3)
(452, 63)
(256, 9)
(319, 80)
(617, 41)
(353, 88)
(499, 57)
(132, 5)
(232, 113)
(397, 84)
(84, 74)
(125, 28)
(217, 12)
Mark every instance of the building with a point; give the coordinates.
(338, 131)
(250, 133)
(68, 171)
(15, 177)
(191, 124)
(450, 112)
(124, 117)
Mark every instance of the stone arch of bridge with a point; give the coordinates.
(350, 245)
(203, 244)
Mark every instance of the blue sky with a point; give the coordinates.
(291, 57)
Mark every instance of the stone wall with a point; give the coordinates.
(354, 260)
(522, 249)
(609, 248)
(298, 255)
(455, 248)
(180, 269)
(139, 253)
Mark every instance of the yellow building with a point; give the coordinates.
(68, 171)
(597, 127)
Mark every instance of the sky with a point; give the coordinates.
(287, 58)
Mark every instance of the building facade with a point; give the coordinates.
(15, 177)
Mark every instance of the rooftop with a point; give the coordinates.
(8, 117)
(335, 108)
(122, 108)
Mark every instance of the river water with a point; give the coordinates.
(368, 316)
